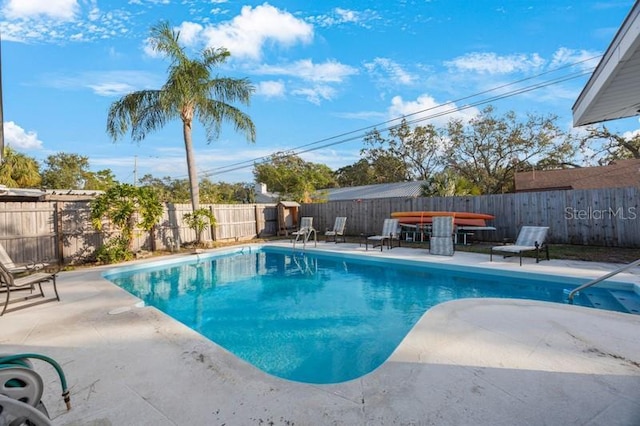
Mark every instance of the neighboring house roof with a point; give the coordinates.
(383, 190)
(31, 194)
(613, 90)
(20, 194)
(621, 173)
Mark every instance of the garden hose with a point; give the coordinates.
(20, 360)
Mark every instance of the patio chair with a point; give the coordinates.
(530, 238)
(14, 287)
(8, 263)
(337, 231)
(389, 233)
(305, 232)
(442, 234)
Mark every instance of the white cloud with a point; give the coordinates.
(16, 137)
(389, 71)
(111, 89)
(363, 115)
(109, 83)
(189, 32)
(270, 89)
(340, 16)
(65, 10)
(426, 106)
(246, 34)
(318, 78)
(491, 63)
(584, 59)
(327, 72)
(630, 134)
(316, 94)
(62, 21)
(148, 49)
(347, 15)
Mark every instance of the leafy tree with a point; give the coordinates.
(357, 174)
(71, 171)
(292, 177)
(65, 171)
(228, 193)
(100, 180)
(189, 92)
(446, 183)
(177, 190)
(613, 146)
(407, 154)
(388, 168)
(489, 150)
(18, 170)
(126, 207)
(169, 190)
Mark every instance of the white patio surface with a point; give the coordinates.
(466, 362)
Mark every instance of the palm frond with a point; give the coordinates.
(166, 40)
(231, 89)
(139, 112)
(213, 113)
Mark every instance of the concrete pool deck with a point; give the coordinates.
(466, 362)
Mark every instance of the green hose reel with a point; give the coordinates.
(21, 389)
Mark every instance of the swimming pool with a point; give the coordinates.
(315, 317)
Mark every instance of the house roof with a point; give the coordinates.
(622, 173)
(613, 91)
(383, 190)
(34, 194)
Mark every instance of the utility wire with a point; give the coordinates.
(361, 132)
(264, 160)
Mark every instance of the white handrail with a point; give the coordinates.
(602, 278)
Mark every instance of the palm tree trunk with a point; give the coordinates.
(191, 166)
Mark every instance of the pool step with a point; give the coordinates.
(604, 300)
(629, 299)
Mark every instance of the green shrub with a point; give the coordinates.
(115, 250)
(198, 221)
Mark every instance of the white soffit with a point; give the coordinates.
(613, 91)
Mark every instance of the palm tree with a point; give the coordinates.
(189, 92)
(18, 170)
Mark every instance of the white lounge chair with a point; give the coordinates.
(12, 285)
(305, 232)
(441, 240)
(8, 263)
(530, 238)
(389, 233)
(337, 231)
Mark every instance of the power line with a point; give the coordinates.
(361, 132)
(240, 166)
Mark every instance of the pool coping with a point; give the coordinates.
(487, 361)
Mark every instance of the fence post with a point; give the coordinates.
(212, 225)
(58, 232)
(255, 217)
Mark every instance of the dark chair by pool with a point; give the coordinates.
(390, 232)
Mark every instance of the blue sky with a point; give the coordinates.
(321, 69)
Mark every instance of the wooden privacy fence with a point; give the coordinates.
(56, 230)
(62, 232)
(601, 217)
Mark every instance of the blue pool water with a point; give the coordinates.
(316, 318)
